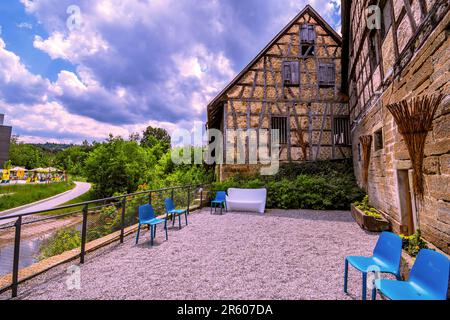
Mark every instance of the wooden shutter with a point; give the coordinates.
(327, 74)
(287, 75)
(311, 34)
(304, 33)
(295, 72)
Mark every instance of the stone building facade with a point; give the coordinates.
(408, 56)
(293, 85)
(5, 138)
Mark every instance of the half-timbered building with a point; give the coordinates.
(293, 85)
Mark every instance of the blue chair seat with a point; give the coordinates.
(402, 290)
(366, 264)
(177, 211)
(428, 280)
(152, 221)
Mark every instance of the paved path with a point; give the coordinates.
(80, 189)
(295, 254)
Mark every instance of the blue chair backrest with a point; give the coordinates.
(221, 196)
(169, 204)
(146, 212)
(389, 248)
(431, 271)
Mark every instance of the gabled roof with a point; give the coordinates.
(308, 9)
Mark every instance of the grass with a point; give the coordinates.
(13, 196)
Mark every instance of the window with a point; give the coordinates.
(374, 54)
(378, 139)
(359, 152)
(341, 131)
(307, 34)
(387, 21)
(281, 124)
(291, 73)
(327, 74)
(307, 39)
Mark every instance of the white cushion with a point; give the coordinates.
(246, 200)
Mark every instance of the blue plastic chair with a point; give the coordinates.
(219, 200)
(147, 217)
(428, 280)
(386, 259)
(170, 210)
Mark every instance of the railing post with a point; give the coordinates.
(173, 193)
(122, 222)
(188, 198)
(15, 275)
(150, 198)
(84, 233)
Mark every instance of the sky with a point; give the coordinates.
(75, 70)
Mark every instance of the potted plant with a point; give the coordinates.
(368, 217)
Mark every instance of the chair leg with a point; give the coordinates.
(185, 215)
(345, 275)
(179, 221)
(151, 235)
(364, 285)
(374, 294)
(137, 236)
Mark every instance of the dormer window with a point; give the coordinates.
(307, 39)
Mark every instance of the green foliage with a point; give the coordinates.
(156, 136)
(414, 243)
(73, 159)
(12, 196)
(117, 166)
(27, 155)
(368, 210)
(63, 240)
(304, 186)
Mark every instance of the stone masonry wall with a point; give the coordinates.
(428, 72)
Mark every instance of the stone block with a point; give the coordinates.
(431, 165)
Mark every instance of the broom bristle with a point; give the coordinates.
(414, 119)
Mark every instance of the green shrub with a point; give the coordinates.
(324, 185)
(63, 240)
(414, 243)
(368, 210)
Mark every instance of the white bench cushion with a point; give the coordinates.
(246, 200)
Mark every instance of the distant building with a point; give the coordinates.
(5, 138)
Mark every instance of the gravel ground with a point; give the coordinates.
(295, 254)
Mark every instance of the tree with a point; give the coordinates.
(27, 155)
(153, 136)
(118, 166)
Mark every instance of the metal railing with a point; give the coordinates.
(183, 195)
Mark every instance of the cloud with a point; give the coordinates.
(24, 25)
(17, 84)
(139, 62)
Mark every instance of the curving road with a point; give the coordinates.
(46, 204)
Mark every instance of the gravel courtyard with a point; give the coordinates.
(295, 254)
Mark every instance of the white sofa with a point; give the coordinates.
(252, 200)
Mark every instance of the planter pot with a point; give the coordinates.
(370, 223)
